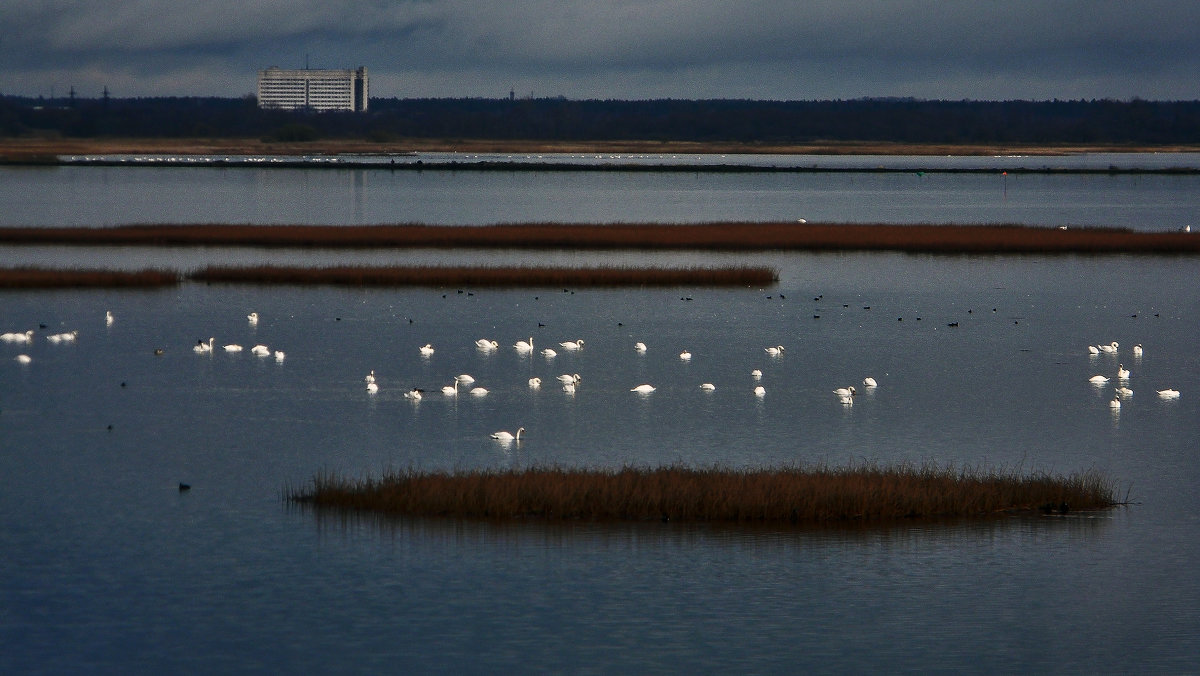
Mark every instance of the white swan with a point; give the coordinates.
(846, 400)
(708, 387)
(465, 379)
(640, 347)
(68, 337)
(1115, 403)
(450, 390)
(479, 391)
(485, 344)
(1124, 392)
(1122, 372)
(523, 346)
(569, 379)
(233, 347)
(1092, 349)
(535, 383)
(108, 317)
(569, 388)
(756, 374)
(23, 359)
(774, 351)
(202, 347)
(280, 355)
(572, 345)
(1137, 350)
(685, 355)
(370, 377)
(372, 388)
(1111, 348)
(261, 351)
(1097, 380)
(413, 394)
(870, 382)
(25, 337)
(760, 391)
(1168, 393)
(549, 354)
(426, 350)
(252, 318)
(504, 435)
(643, 389)
(845, 391)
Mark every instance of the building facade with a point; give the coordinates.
(319, 90)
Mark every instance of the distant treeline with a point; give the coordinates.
(768, 122)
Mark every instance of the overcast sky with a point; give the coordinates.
(624, 49)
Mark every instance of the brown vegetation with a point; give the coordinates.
(979, 239)
(438, 276)
(44, 278)
(683, 494)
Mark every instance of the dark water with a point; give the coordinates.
(102, 196)
(108, 567)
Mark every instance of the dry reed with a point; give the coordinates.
(727, 236)
(48, 278)
(792, 495)
(439, 276)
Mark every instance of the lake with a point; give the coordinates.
(108, 567)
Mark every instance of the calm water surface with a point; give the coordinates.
(105, 196)
(108, 567)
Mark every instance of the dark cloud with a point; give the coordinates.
(618, 49)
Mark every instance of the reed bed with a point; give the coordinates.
(47, 278)
(793, 495)
(448, 276)
(725, 236)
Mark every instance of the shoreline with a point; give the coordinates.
(738, 236)
(32, 149)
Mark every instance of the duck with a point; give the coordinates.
(1122, 372)
(485, 344)
(504, 435)
(426, 350)
(523, 346)
(572, 345)
(535, 383)
(774, 351)
(639, 347)
(1097, 380)
(870, 382)
(707, 387)
(549, 354)
(685, 355)
(643, 389)
(201, 347)
(1169, 393)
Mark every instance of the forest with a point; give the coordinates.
(1106, 121)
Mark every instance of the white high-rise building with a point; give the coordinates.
(319, 90)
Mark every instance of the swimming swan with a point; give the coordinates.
(685, 355)
(508, 436)
(523, 346)
(24, 359)
(1122, 372)
(1111, 348)
(1115, 403)
(426, 350)
(372, 388)
(414, 394)
(643, 389)
(25, 337)
(1124, 392)
(708, 387)
(774, 351)
(640, 347)
(870, 382)
(465, 379)
(1097, 380)
(485, 344)
(1137, 350)
(845, 391)
(549, 354)
(108, 317)
(280, 355)
(202, 347)
(1169, 394)
(479, 391)
(569, 379)
(535, 383)
(760, 391)
(572, 345)
(756, 374)
(450, 390)
(261, 350)
(233, 347)
(370, 378)
(252, 318)
(1092, 349)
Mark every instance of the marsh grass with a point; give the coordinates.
(793, 495)
(46, 278)
(437, 276)
(725, 236)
